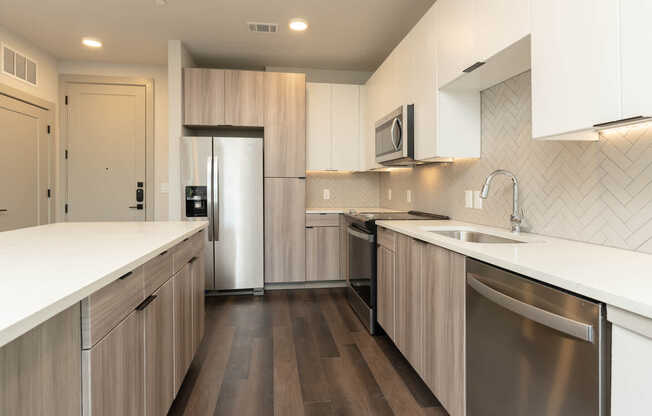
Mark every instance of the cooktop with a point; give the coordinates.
(372, 217)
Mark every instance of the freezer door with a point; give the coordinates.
(238, 213)
(197, 189)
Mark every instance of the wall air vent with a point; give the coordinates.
(263, 27)
(18, 65)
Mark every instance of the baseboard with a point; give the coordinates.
(306, 285)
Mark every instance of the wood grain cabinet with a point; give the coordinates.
(203, 91)
(183, 325)
(385, 290)
(114, 381)
(285, 125)
(323, 253)
(40, 371)
(197, 274)
(159, 351)
(285, 234)
(243, 98)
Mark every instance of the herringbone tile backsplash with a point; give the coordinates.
(347, 190)
(598, 192)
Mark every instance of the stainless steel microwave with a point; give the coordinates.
(395, 137)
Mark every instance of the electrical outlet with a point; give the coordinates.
(165, 188)
(389, 194)
(477, 201)
(408, 195)
(468, 199)
(327, 194)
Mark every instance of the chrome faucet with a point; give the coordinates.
(517, 217)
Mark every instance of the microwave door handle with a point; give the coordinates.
(560, 323)
(396, 123)
(209, 195)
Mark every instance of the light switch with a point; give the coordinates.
(389, 194)
(408, 195)
(477, 201)
(327, 194)
(468, 199)
(164, 188)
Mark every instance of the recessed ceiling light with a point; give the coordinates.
(298, 25)
(91, 43)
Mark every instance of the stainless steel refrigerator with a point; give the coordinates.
(222, 181)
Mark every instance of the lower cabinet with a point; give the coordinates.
(113, 375)
(197, 272)
(183, 334)
(322, 253)
(159, 351)
(385, 290)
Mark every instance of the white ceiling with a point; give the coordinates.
(343, 34)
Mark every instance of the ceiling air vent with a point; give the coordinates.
(263, 27)
(18, 65)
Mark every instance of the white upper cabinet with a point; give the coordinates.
(455, 39)
(318, 125)
(333, 126)
(345, 125)
(575, 67)
(497, 24)
(635, 41)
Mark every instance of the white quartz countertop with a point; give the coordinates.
(347, 210)
(616, 277)
(47, 269)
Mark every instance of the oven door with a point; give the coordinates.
(362, 274)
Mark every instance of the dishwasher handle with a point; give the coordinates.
(562, 324)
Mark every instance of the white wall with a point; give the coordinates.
(46, 77)
(178, 58)
(158, 73)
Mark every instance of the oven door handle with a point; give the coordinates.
(560, 323)
(363, 236)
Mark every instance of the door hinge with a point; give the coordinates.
(49, 193)
(66, 100)
(48, 129)
(66, 154)
(65, 208)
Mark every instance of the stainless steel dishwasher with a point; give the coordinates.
(532, 349)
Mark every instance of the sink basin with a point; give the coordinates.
(476, 237)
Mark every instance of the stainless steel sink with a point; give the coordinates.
(476, 237)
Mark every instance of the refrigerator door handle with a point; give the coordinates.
(216, 201)
(209, 196)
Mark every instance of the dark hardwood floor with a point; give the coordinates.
(297, 352)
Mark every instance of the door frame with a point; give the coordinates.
(150, 151)
(51, 109)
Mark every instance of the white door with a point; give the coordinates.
(24, 164)
(106, 133)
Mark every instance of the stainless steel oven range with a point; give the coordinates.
(362, 260)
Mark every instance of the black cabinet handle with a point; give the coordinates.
(146, 302)
(192, 260)
(124, 276)
(163, 253)
(473, 67)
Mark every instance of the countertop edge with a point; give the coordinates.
(611, 299)
(21, 327)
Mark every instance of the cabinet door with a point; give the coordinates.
(323, 253)
(318, 126)
(344, 248)
(285, 125)
(198, 270)
(444, 282)
(159, 351)
(114, 371)
(243, 98)
(455, 39)
(498, 24)
(385, 290)
(345, 116)
(409, 313)
(203, 91)
(285, 233)
(575, 66)
(636, 36)
(183, 340)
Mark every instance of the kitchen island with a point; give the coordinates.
(78, 301)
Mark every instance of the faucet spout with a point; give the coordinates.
(516, 218)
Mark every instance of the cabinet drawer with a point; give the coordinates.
(322, 220)
(181, 254)
(387, 238)
(198, 242)
(157, 271)
(104, 309)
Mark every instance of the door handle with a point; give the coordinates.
(146, 302)
(137, 206)
(551, 320)
(4, 210)
(209, 196)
